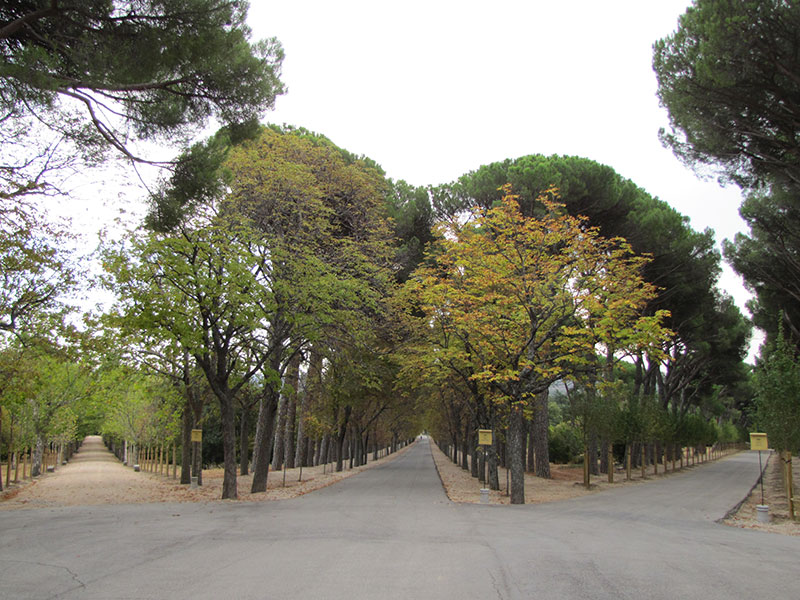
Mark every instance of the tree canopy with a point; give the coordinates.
(728, 77)
(526, 300)
(767, 259)
(98, 74)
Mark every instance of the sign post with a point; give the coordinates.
(485, 440)
(758, 441)
(197, 438)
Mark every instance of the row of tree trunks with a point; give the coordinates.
(53, 455)
(18, 460)
(160, 460)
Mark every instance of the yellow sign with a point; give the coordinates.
(758, 441)
(484, 437)
(197, 435)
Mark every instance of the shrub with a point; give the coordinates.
(565, 443)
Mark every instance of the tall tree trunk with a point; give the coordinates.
(268, 405)
(279, 437)
(8, 455)
(465, 448)
(340, 439)
(313, 376)
(473, 453)
(38, 453)
(288, 393)
(244, 439)
(530, 447)
(541, 423)
(289, 431)
(592, 452)
(604, 456)
(516, 429)
(186, 444)
(322, 454)
(229, 448)
(494, 479)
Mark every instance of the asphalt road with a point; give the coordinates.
(390, 532)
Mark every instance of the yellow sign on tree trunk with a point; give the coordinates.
(484, 437)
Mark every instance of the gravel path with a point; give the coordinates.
(92, 476)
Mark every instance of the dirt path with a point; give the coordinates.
(95, 476)
(92, 476)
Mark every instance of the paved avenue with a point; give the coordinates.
(390, 532)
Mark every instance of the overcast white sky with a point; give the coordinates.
(432, 90)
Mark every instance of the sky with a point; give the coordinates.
(432, 90)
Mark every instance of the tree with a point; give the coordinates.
(728, 77)
(139, 407)
(58, 386)
(767, 259)
(413, 220)
(710, 336)
(523, 292)
(35, 270)
(205, 290)
(777, 384)
(321, 216)
(69, 65)
(292, 247)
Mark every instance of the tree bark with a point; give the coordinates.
(36, 460)
(288, 392)
(311, 388)
(516, 429)
(340, 439)
(244, 438)
(289, 431)
(604, 456)
(465, 448)
(541, 422)
(268, 405)
(229, 490)
(530, 447)
(473, 453)
(591, 450)
(279, 438)
(494, 479)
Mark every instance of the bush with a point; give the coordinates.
(565, 443)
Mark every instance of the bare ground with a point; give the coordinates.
(774, 497)
(95, 476)
(566, 482)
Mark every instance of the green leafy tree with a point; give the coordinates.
(69, 65)
(767, 259)
(728, 77)
(295, 250)
(58, 386)
(36, 272)
(207, 292)
(777, 384)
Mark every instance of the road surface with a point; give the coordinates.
(390, 532)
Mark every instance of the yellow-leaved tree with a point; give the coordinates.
(522, 302)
